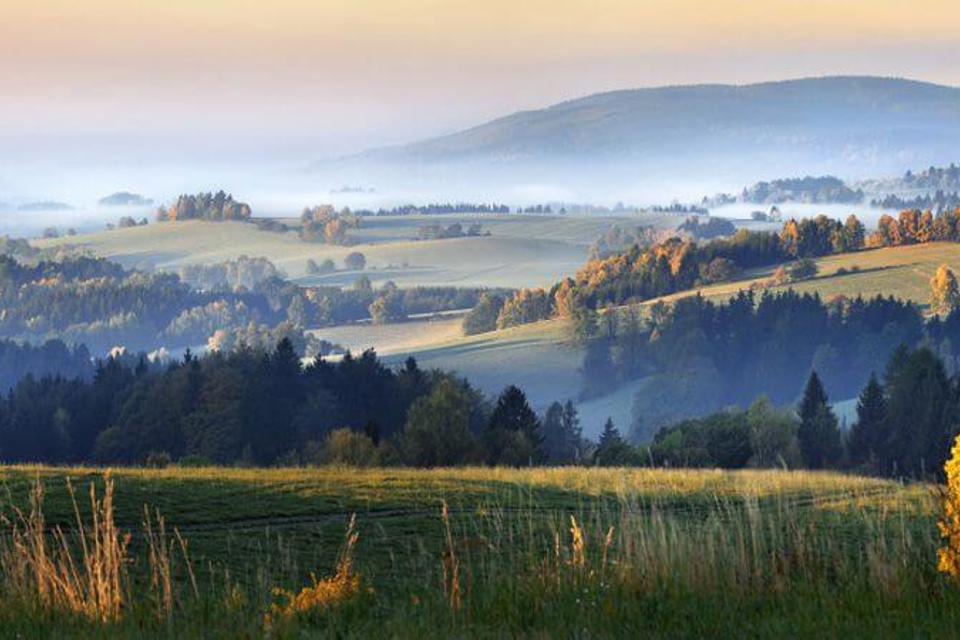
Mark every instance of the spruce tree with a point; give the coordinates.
(610, 435)
(868, 434)
(513, 434)
(612, 450)
(561, 434)
(819, 434)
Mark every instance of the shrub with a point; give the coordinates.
(346, 447)
(803, 269)
(158, 459)
(194, 461)
(355, 261)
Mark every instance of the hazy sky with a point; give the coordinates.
(312, 77)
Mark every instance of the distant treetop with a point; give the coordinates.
(217, 206)
(124, 199)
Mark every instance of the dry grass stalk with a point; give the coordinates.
(45, 567)
(451, 564)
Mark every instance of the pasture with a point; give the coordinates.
(903, 272)
(476, 552)
(521, 250)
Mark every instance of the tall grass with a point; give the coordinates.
(82, 573)
(698, 554)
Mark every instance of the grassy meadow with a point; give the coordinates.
(521, 250)
(477, 552)
(903, 272)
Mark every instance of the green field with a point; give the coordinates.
(522, 250)
(903, 272)
(661, 553)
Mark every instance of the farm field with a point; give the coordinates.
(903, 272)
(522, 250)
(532, 552)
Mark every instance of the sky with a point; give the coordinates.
(92, 88)
(331, 76)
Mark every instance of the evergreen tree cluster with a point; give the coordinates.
(263, 407)
(697, 356)
(905, 425)
(18, 360)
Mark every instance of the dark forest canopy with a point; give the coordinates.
(264, 407)
(696, 356)
(906, 420)
(17, 360)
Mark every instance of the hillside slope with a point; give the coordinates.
(651, 145)
(817, 114)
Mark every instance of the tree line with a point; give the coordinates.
(215, 207)
(697, 356)
(438, 208)
(905, 423)
(641, 273)
(53, 357)
(93, 301)
(263, 407)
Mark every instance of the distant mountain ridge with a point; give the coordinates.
(852, 116)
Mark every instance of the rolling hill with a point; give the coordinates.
(851, 126)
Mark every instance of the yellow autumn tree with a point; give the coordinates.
(944, 292)
(949, 553)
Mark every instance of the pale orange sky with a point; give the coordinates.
(366, 72)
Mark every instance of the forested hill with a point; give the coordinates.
(847, 117)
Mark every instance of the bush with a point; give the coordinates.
(346, 447)
(719, 270)
(355, 261)
(194, 461)
(158, 460)
(803, 269)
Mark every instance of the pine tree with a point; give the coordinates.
(612, 450)
(868, 433)
(819, 434)
(610, 435)
(561, 434)
(513, 433)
